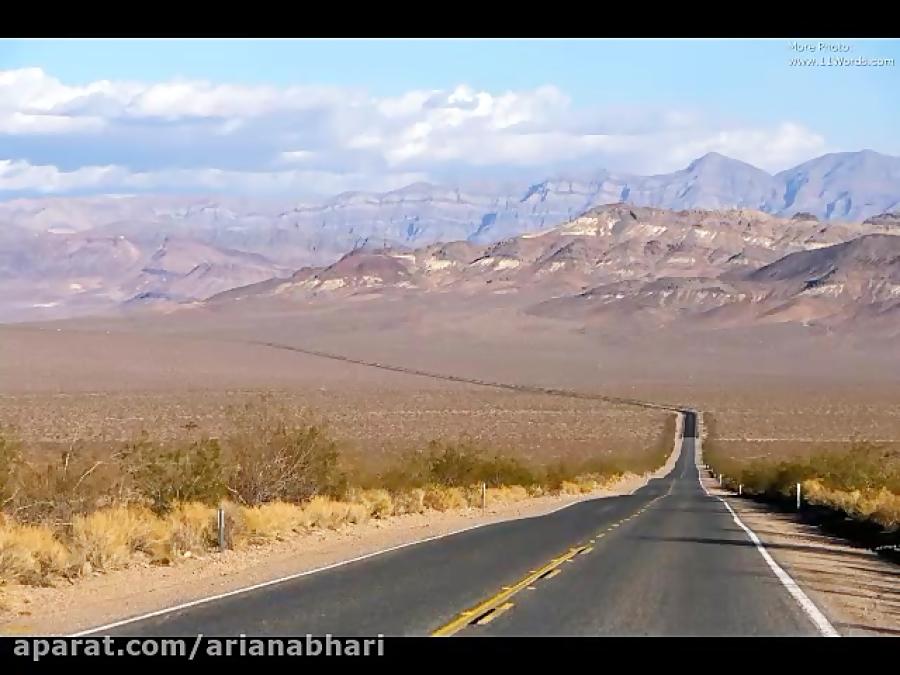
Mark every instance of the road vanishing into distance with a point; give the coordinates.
(668, 560)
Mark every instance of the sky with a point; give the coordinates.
(310, 118)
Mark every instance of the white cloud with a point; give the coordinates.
(314, 139)
(773, 149)
(18, 176)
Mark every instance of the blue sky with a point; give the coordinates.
(313, 116)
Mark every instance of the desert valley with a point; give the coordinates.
(783, 328)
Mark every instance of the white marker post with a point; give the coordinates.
(483, 495)
(740, 489)
(798, 496)
(220, 523)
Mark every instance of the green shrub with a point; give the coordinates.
(189, 472)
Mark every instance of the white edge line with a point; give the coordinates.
(808, 606)
(340, 563)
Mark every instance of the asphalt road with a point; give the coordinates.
(667, 560)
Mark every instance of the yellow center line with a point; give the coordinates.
(493, 602)
(489, 609)
(505, 607)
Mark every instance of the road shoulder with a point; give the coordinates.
(857, 590)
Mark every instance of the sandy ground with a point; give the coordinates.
(143, 588)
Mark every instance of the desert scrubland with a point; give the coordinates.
(107, 462)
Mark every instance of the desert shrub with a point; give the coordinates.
(862, 480)
(273, 458)
(879, 505)
(409, 472)
(78, 481)
(188, 472)
(498, 471)
(863, 466)
(453, 464)
(462, 464)
(10, 461)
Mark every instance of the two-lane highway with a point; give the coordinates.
(666, 560)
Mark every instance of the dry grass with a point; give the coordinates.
(107, 539)
(878, 505)
(411, 501)
(95, 509)
(860, 478)
(270, 521)
(31, 554)
(110, 538)
(192, 528)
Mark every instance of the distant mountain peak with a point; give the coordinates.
(716, 161)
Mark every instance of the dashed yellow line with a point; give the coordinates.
(494, 613)
(474, 614)
(489, 609)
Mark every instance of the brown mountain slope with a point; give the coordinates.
(721, 267)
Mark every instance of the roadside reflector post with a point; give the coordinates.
(483, 495)
(740, 489)
(798, 496)
(220, 524)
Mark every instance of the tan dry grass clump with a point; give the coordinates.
(879, 505)
(31, 554)
(567, 487)
(445, 498)
(409, 501)
(328, 513)
(505, 495)
(270, 521)
(107, 539)
(192, 528)
(378, 503)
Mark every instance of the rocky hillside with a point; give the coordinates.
(618, 261)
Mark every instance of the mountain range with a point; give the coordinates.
(77, 255)
(619, 262)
